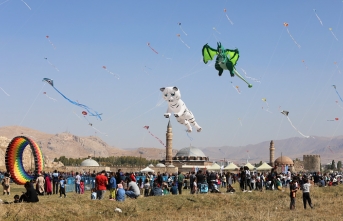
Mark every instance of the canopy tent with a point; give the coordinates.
(251, 167)
(147, 169)
(264, 166)
(214, 166)
(151, 165)
(231, 166)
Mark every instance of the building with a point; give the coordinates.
(89, 162)
(271, 153)
(312, 163)
(283, 162)
(185, 159)
(88, 165)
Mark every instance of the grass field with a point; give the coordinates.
(267, 205)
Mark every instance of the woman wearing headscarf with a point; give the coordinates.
(31, 195)
(48, 187)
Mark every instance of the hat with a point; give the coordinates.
(120, 186)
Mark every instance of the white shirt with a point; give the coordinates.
(77, 179)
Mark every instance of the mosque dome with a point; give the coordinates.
(89, 163)
(190, 152)
(160, 165)
(283, 160)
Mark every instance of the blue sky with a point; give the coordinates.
(90, 34)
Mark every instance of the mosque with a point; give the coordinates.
(309, 163)
(186, 159)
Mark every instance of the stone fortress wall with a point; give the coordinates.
(311, 163)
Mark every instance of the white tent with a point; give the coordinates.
(231, 166)
(147, 169)
(214, 166)
(264, 166)
(250, 166)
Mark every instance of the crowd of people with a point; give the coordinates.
(133, 185)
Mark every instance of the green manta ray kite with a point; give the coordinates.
(226, 59)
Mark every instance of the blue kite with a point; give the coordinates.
(90, 111)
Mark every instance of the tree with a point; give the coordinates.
(258, 164)
(339, 165)
(333, 165)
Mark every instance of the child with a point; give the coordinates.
(120, 195)
(113, 186)
(293, 190)
(62, 187)
(146, 188)
(230, 189)
(306, 193)
(16, 199)
(195, 188)
(82, 187)
(93, 195)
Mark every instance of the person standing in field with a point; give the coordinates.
(62, 187)
(40, 183)
(113, 186)
(77, 183)
(55, 182)
(306, 193)
(101, 182)
(6, 184)
(48, 187)
(293, 190)
(180, 179)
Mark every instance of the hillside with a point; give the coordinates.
(69, 145)
(295, 147)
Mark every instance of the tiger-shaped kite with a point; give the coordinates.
(183, 115)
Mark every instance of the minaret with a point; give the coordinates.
(169, 144)
(271, 155)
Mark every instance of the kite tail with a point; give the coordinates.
(50, 97)
(242, 78)
(183, 30)
(236, 89)
(253, 79)
(26, 4)
(99, 130)
(161, 142)
(184, 43)
(229, 19)
(89, 110)
(293, 39)
(4, 91)
(338, 95)
(190, 138)
(296, 128)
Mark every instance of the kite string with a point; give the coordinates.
(258, 88)
(40, 91)
(317, 97)
(277, 135)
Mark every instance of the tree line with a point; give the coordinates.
(108, 161)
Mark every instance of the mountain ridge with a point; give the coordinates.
(69, 145)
